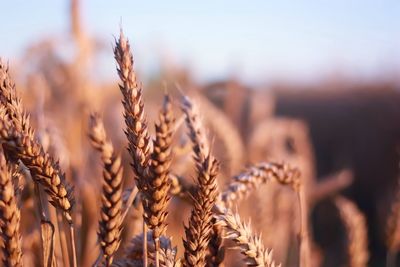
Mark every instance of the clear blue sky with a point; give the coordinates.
(258, 39)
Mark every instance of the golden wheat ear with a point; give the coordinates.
(9, 218)
(139, 143)
(110, 224)
(249, 245)
(12, 103)
(20, 143)
(255, 176)
(198, 232)
(157, 196)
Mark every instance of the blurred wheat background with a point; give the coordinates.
(284, 91)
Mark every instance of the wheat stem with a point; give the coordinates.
(63, 240)
(145, 260)
(391, 258)
(157, 251)
(129, 202)
(304, 234)
(356, 230)
(73, 247)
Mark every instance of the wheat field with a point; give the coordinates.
(123, 175)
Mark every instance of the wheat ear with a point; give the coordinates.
(19, 139)
(198, 232)
(157, 196)
(139, 142)
(110, 224)
(41, 165)
(356, 228)
(257, 175)
(136, 123)
(9, 218)
(226, 132)
(12, 102)
(248, 244)
(133, 253)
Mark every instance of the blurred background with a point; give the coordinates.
(258, 42)
(314, 83)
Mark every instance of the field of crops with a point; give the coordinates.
(172, 172)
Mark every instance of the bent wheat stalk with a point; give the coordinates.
(20, 143)
(42, 166)
(356, 229)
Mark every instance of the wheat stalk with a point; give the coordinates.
(20, 141)
(21, 144)
(357, 234)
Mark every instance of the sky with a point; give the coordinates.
(255, 40)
